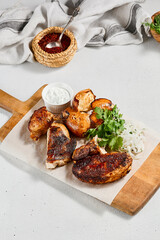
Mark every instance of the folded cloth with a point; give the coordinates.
(114, 22)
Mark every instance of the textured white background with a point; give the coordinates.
(33, 206)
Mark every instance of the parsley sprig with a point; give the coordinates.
(156, 24)
(111, 128)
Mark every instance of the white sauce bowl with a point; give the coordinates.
(57, 107)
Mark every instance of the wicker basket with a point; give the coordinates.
(54, 59)
(153, 32)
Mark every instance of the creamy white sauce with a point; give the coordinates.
(57, 95)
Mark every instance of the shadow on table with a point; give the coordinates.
(37, 68)
(150, 45)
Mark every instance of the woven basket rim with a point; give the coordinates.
(44, 32)
(155, 14)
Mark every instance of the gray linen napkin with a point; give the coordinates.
(100, 22)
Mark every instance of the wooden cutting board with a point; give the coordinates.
(136, 192)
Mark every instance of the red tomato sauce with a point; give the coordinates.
(54, 37)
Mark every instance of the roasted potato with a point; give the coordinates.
(67, 112)
(77, 122)
(101, 103)
(94, 121)
(82, 100)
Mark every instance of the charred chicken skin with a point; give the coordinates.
(90, 148)
(77, 122)
(59, 146)
(39, 123)
(102, 168)
(82, 100)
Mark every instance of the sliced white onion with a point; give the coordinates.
(133, 139)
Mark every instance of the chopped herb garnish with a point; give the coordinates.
(111, 128)
(155, 24)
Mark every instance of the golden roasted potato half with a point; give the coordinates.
(102, 103)
(77, 122)
(82, 100)
(94, 121)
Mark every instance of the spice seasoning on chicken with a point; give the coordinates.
(53, 37)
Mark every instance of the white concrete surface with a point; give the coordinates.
(33, 206)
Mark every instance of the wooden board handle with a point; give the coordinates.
(34, 99)
(9, 125)
(17, 108)
(9, 102)
(12, 105)
(141, 186)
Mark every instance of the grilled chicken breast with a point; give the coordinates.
(39, 123)
(102, 168)
(59, 146)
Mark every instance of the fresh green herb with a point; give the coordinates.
(111, 128)
(156, 24)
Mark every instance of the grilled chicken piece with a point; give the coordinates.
(90, 148)
(77, 122)
(39, 123)
(102, 168)
(101, 103)
(59, 146)
(82, 100)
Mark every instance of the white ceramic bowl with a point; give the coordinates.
(57, 108)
